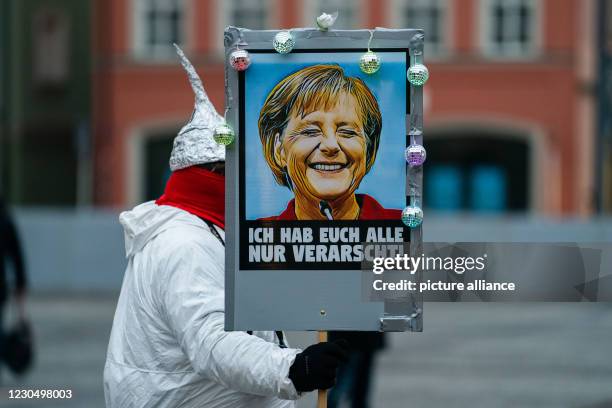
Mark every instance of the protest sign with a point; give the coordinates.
(318, 169)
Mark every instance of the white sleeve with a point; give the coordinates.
(193, 301)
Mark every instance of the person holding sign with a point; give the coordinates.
(320, 131)
(168, 347)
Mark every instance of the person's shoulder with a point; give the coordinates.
(188, 250)
(287, 214)
(392, 213)
(373, 210)
(185, 234)
(190, 234)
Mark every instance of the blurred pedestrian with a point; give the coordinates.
(354, 377)
(168, 347)
(10, 250)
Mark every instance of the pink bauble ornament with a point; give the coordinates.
(240, 60)
(415, 155)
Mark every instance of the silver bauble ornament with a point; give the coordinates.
(283, 42)
(369, 62)
(224, 134)
(418, 74)
(240, 60)
(412, 216)
(325, 21)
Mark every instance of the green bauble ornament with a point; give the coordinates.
(369, 63)
(224, 134)
(418, 74)
(412, 216)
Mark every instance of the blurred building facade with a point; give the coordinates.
(45, 108)
(512, 106)
(604, 90)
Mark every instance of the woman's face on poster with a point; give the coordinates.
(325, 150)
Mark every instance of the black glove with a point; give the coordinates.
(315, 367)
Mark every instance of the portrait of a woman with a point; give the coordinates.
(320, 132)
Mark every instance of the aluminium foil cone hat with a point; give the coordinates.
(194, 144)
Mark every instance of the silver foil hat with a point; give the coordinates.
(194, 144)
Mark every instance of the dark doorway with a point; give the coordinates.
(156, 172)
(476, 173)
(48, 166)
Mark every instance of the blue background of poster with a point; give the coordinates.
(384, 182)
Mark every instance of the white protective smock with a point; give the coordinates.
(168, 347)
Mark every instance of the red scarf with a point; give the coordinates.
(197, 191)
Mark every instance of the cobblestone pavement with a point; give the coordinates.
(470, 355)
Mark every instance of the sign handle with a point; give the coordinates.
(322, 394)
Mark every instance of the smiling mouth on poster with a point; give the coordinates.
(327, 123)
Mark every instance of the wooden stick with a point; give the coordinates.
(322, 397)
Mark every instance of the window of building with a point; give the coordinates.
(54, 157)
(468, 173)
(428, 15)
(347, 12)
(158, 24)
(51, 48)
(509, 27)
(157, 150)
(249, 14)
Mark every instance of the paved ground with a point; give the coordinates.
(470, 355)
